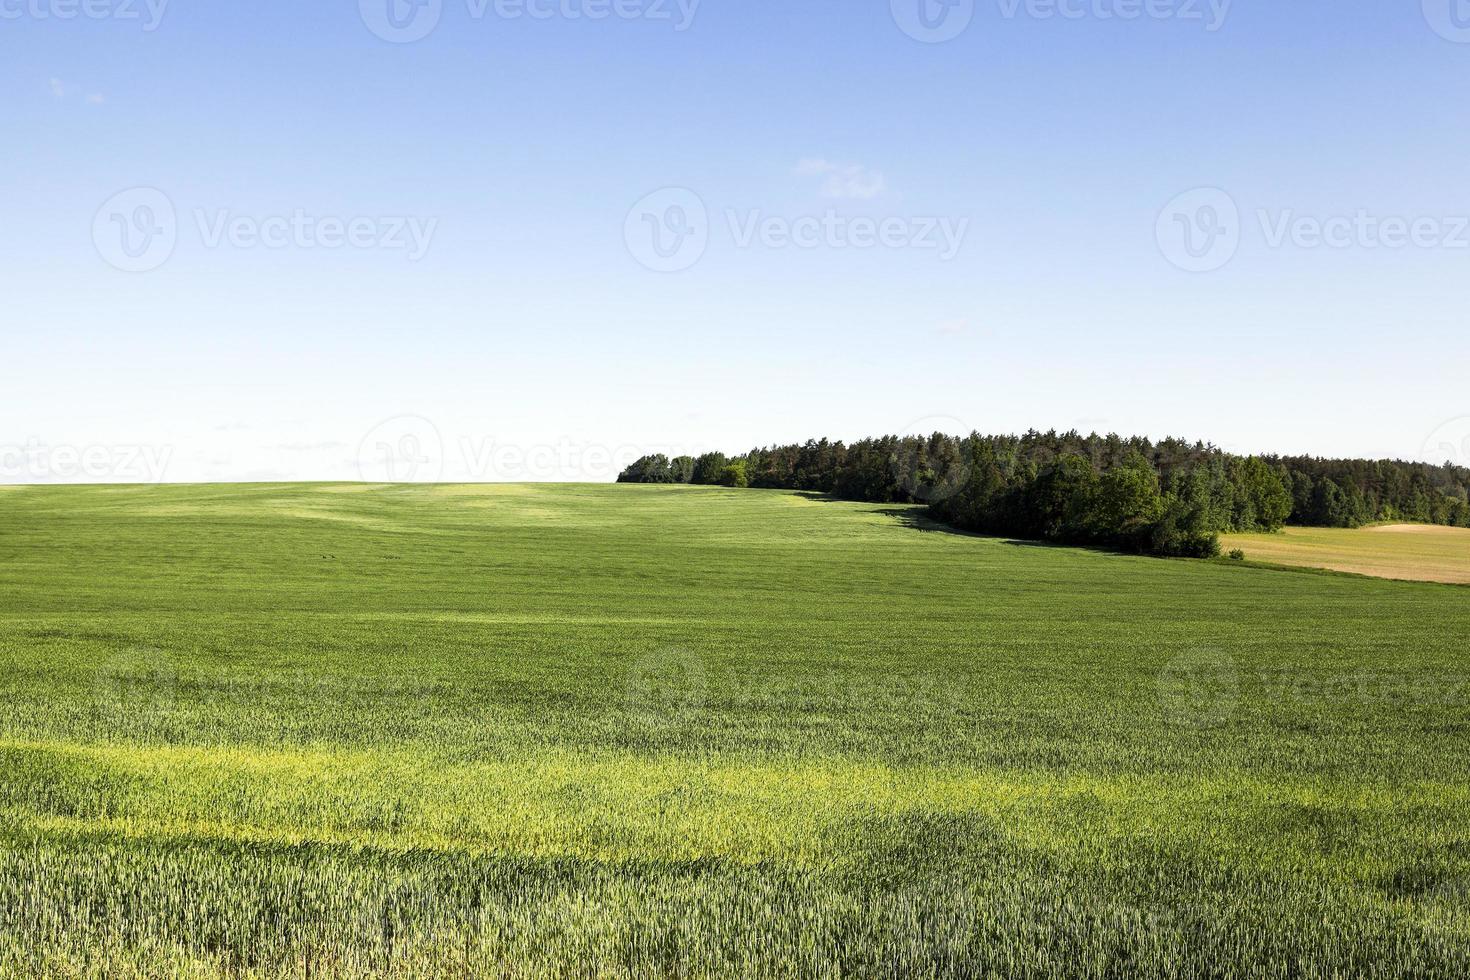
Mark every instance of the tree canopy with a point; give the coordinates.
(1171, 497)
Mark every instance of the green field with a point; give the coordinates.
(672, 731)
(1413, 552)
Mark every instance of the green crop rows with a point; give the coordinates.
(638, 730)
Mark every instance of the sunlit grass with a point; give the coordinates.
(450, 731)
(1413, 552)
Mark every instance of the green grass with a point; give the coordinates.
(630, 731)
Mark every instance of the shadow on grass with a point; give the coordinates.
(916, 517)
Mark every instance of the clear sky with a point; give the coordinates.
(525, 239)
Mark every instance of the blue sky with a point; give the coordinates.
(495, 316)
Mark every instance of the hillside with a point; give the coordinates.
(657, 729)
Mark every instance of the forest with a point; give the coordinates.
(1171, 497)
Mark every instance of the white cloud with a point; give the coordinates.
(843, 180)
(61, 90)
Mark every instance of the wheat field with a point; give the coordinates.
(443, 731)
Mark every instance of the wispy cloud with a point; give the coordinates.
(61, 90)
(843, 180)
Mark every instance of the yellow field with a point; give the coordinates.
(1419, 552)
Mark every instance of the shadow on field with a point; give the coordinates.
(914, 516)
(910, 515)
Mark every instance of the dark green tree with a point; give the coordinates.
(1126, 505)
(708, 467)
(647, 469)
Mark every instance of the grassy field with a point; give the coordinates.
(640, 731)
(1414, 552)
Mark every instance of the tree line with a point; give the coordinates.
(1170, 497)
